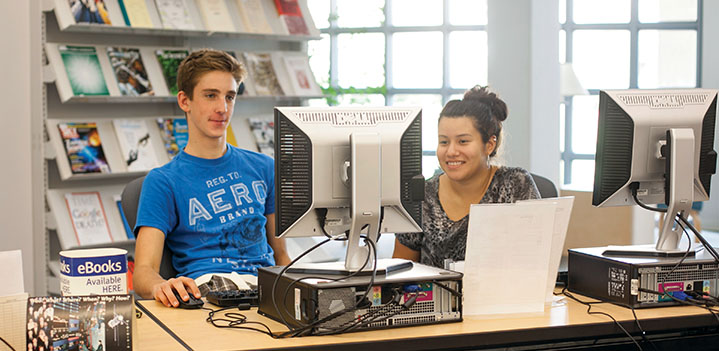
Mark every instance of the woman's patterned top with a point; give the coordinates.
(444, 238)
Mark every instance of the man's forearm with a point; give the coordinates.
(144, 279)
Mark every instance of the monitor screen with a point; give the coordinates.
(659, 144)
(345, 171)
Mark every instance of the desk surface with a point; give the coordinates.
(564, 320)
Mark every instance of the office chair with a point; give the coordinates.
(545, 186)
(130, 200)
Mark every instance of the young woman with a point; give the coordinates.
(470, 132)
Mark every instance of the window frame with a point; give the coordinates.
(388, 29)
(634, 26)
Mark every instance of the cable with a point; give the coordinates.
(633, 187)
(701, 238)
(6, 343)
(299, 331)
(589, 311)
(641, 330)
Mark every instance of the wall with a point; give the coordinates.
(710, 79)
(19, 98)
(524, 71)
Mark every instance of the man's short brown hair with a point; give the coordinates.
(202, 61)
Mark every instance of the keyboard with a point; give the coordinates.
(232, 298)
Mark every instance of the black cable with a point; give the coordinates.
(641, 330)
(6, 343)
(299, 331)
(634, 186)
(701, 238)
(589, 311)
(451, 291)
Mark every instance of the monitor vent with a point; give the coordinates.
(353, 118)
(293, 167)
(410, 166)
(614, 149)
(707, 162)
(664, 100)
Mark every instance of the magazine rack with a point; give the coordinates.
(62, 105)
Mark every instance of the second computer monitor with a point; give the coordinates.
(348, 170)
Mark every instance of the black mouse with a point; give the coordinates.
(192, 303)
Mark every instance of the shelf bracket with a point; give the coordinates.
(48, 74)
(48, 5)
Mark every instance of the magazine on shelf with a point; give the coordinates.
(83, 147)
(216, 16)
(83, 70)
(174, 14)
(100, 322)
(262, 74)
(89, 11)
(291, 17)
(88, 218)
(136, 13)
(135, 144)
(242, 89)
(174, 134)
(118, 202)
(253, 16)
(130, 71)
(299, 79)
(169, 61)
(264, 132)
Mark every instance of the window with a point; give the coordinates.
(620, 44)
(402, 53)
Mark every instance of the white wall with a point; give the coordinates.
(19, 23)
(710, 79)
(524, 71)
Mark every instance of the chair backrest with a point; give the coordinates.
(130, 200)
(545, 186)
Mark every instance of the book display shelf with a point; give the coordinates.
(110, 112)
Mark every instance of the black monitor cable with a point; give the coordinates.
(634, 187)
(701, 238)
(6, 343)
(309, 328)
(589, 305)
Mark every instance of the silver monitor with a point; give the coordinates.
(659, 144)
(348, 171)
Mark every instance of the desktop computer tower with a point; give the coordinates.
(436, 292)
(618, 279)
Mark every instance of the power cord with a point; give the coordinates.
(634, 187)
(6, 343)
(589, 311)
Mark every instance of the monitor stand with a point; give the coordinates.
(385, 266)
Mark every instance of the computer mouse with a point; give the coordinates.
(192, 303)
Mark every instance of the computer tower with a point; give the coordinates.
(618, 279)
(300, 302)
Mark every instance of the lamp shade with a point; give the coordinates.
(568, 81)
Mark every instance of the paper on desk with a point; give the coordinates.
(11, 273)
(559, 235)
(508, 248)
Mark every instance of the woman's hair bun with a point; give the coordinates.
(483, 95)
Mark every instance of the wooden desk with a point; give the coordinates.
(565, 321)
(150, 336)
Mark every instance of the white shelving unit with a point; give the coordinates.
(60, 106)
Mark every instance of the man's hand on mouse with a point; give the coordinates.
(163, 292)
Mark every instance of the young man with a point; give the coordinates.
(213, 204)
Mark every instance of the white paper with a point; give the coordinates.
(11, 273)
(561, 223)
(508, 247)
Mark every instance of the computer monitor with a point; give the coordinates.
(658, 143)
(348, 170)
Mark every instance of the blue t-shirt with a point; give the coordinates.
(212, 211)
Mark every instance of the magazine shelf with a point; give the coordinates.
(104, 114)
